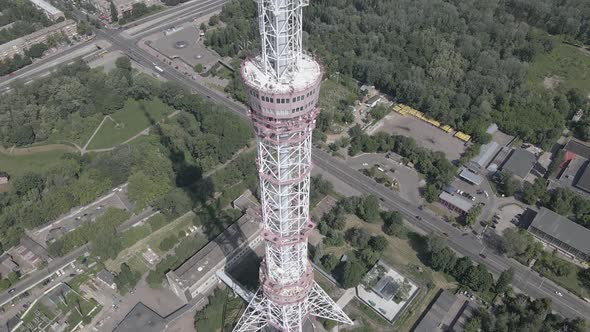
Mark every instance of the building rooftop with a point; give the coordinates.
(579, 148)
(584, 179)
(373, 99)
(22, 40)
(486, 153)
(309, 72)
(436, 314)
(106, 277)
(141, 318)
(462, 204)
(386, 287)
(520, 163)
(563, 229)
(471, 177)
(224, 245)
(46, 7)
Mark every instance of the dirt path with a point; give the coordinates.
(14, 151)
(96, 131)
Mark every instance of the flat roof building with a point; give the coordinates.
(447, 313)
(455, 203)
(485, 155)
(51, 12)
(578, 148)
(106, 278)
(19, 45)
(562, 233)
(470, 177)
(583, 181)
(372, 102)
(197, 274)
(520, 163)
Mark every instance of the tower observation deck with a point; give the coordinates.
(283, 86)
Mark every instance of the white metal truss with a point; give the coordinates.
(288, 295)
(280, 24)
(318, 304)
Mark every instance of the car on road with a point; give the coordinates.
(12, 291)
(365, 164)
(446, 234)
(418, 217)
(482, 256)
(558, 293)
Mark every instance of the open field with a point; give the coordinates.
(16, 165)
(564, 68)
(130, 121)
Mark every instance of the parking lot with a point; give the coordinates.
(425, 134)
(408, 179)
(185, 43)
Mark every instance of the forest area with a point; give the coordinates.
(463, 63)
(165, 168)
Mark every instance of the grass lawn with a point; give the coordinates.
(569, 64)
(130, 121)
(569, 281)
(152, 241)
(369, 319)
(402, 255)
(37, 316)
(38, 162)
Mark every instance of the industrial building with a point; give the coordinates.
(520, 163)
(197, 275)
(561, 233)
(49, 10)
(448, 313)
(18, 46)
(455, 203)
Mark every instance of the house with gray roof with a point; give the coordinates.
(520, 163)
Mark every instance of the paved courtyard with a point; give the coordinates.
(186, 44)
(425, 134)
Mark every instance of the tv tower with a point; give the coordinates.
(283, 86)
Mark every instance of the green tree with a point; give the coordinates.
(199, 68)
(431, 193)
(378, 243)
(479, 279)
(584, 277)
(36, 50)
(368, 210)
(472, 215)
(114, 13)
(352, 273)
(473, 325)
(504, 281)
(507, 185)
(329, 261)
(358, 237)
(213, 20)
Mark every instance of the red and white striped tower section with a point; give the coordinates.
(283, 86)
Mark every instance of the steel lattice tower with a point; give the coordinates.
(283, 87)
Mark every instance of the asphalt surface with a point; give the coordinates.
(40, 275)
(525, 279)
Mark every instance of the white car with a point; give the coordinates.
(558, 293)
(365, 164)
